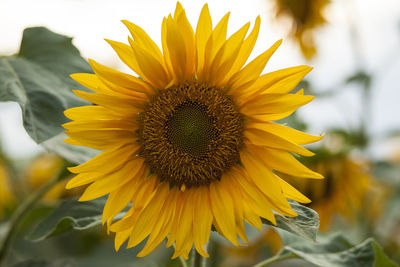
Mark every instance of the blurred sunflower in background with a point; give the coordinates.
(305, 17)
(348, 191)
(42, 169)
(343, 191)
(7, 198)
(189, 144)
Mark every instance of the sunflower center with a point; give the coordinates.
(191, 134)
(190, 128)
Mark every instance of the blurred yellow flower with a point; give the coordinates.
(42, 169)
(343, 190)
(7, 199)
(305, 16)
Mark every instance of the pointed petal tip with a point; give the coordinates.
(69, 185)
(82, 199)
(125, 22)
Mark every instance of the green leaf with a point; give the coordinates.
(37, 78)
(45, 263)
(334, 251)
(70, 214)
(305, 224)
(360, 77)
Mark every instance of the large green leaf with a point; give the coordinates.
(334, 251)
(38, 79)
(305, 224)
(70, 214)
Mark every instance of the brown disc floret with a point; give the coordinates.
(191, 134)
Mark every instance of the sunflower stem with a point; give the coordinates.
(275, 259)
(23, 209)
(183, 262)
(197, 259)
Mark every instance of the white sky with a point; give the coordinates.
(90, 21)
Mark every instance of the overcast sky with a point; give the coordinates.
(377, 26)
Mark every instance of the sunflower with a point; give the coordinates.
(305, 16)
(189, 145)
(7, 199)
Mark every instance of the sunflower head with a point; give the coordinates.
(190, 145)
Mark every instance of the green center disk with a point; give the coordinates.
(191, 129)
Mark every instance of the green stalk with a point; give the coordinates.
(197, 259)
(23, 209)
(275, 259)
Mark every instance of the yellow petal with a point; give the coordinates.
(120, 238)
(291, 134)
(154, 72)
(176, 49)
(203, 217)
(223, 210)
(125, 53)
(167, 56)
(265, 180)
(238, 200)
(87, 125)
(83, 179)
(162, 227)
(246, 48)
(103, 139)
(188, 36)
(146, 222)
(118, 200)
(145, 193)
(226, 56)
(108, 161)
(113, 103)
(178, 9)
(184, 233)
(181, 200)
(249, 74)
(114, 180)
(203, 32)
(90, 112)
(266, 139)
(143, 40)
(122, 80)
(292, 193)
(266, 83)
(255, 203)
(280, 160)
(268, 117)
(214, 43)
(289, 83)
(274, 103)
